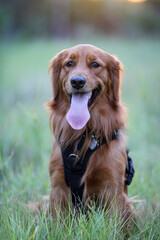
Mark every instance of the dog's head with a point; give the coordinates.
(81, 77)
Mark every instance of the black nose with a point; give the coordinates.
(78, 82)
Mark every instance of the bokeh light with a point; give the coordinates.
(137, 1)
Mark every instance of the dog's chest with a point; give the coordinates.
(75, 167)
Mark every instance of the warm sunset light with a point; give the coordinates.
(137, 1)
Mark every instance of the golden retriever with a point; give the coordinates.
(86, 110)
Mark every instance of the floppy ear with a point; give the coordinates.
(55, 68)
(114, 70)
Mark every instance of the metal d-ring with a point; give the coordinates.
(74, 156)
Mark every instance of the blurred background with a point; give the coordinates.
(31, 33)
(72, 18)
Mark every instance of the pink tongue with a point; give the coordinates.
(78, 114)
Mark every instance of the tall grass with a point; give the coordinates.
(26, 141)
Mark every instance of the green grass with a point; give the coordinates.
(26, 141)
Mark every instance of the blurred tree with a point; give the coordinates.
(155, 3)
(61, 23)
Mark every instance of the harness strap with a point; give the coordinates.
(129, 171)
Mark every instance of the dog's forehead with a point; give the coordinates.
(85, 50)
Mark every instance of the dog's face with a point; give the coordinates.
(81, 76)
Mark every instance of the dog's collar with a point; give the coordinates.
(73, 169)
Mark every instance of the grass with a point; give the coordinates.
(26, 141)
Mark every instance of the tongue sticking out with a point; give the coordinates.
(78, 114)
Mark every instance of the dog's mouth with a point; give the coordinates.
(78, 114)
(92, 95)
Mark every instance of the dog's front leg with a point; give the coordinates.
(59, 201)
(60, 194)
(107, 194)
(98, 192)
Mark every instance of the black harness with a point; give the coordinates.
(74, 168)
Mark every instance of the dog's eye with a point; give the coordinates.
(95, 65)
(70, 64)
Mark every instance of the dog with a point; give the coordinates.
(89, 159)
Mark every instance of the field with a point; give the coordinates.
(26, 141)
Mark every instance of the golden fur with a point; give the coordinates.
(105, 173)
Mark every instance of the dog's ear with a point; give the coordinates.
(115, 70)
(55, 68)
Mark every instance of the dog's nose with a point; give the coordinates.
(78, 82)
